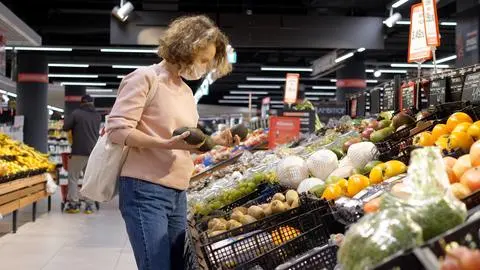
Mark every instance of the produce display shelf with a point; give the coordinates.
(216, 167)
(20, 193)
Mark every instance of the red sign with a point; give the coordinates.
(418, 50)
(351, 83)
(73, 98)
(32, 77)
(431, 22)
(283, 130)
(291, 88)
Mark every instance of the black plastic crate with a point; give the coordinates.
(467, 235)
(306, 204)
(233, 252)
(403, 261)
(473, 200)
(318, 258)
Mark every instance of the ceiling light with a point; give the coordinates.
(333, 80)
(104, 96)
(238, 97)
(114, 50)
(84, 83)
(72, 76)
(399, 3)
(341, 58)
(401, 65)
(68, 65)
(99, 90)
(123, 11)
(448, 23)
(320, 93)
(299, 69)
(55, 108)
(233, 101)
(127, 66)
(313, 98)
(446, 59)
(361, 50)
(121, 76)
(255, 86)
(400, 71)
(50, 49)
(403, 23)
(10, 94)
(247, 93)
(371, 81)
(8, 48)
(321, 87)
(377, 73)
(276, 101)
(369, 70)
(266, 79)
(392, 20)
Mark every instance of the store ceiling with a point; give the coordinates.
(85, 24)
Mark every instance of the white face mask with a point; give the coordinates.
(194, 72)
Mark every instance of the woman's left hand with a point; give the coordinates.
(225, 138)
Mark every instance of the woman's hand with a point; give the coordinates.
(225, 138)
(178, 143)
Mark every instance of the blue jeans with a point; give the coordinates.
(155, 217)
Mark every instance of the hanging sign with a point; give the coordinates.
(283, 130)
(291, 88)
(431, 22)
(418, 50)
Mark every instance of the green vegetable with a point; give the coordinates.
(376, 237)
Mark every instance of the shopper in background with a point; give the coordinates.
(84, 123)
(158, 167)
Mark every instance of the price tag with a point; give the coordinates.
(431, 22)
(291, 88)
(471, 88)
(437, 92)
(389, 98)
(455, 88)
(418, 50)
(408, 96)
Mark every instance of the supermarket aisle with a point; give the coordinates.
(69, 242)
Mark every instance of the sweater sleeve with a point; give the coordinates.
(129, 106)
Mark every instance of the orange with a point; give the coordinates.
(449, 163)
(475, 154)
(458, 118)
(474, 130)
(439, 130)
(332, 192)
(462, 165)
(343, 184)
(356, 183)
(394, 168)
(459, 140)
(442, 142)
(376, 174)
(462, 127)
(424, 139)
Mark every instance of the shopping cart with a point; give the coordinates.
(64, 188)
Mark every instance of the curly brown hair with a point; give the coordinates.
(187, 35)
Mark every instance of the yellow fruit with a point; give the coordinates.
(357, 183)
(332, 192)
(284, 234)
(394, 168)
(474, 130)
(462, 127)
(377, 174)
(456, 119)
(424, 139)
(442, 142)
(459, 140)
(439, 130)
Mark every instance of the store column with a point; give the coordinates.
(32, 91)
(467, 33)
(351, 77)
(73, 96)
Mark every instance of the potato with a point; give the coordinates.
(237, 215)
(278, 207)
(215, 233)
(291, 196)
(247, 219)
(295, 204)
(268, 211)
(213, 222)
(256, 212)
(220, 226)
(278, 197)
(242, 209)
(264, 206)
(233, 224)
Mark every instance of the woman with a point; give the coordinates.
(158, 167)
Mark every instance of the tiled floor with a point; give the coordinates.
(59, 241)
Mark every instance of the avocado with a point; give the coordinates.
(384, 124)
(240, 130)
(207, 145)
(381, 135)
(401, 119)
(196, 135)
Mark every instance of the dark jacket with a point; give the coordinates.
(84, 123)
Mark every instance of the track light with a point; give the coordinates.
(123, 11)
(392, 20)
